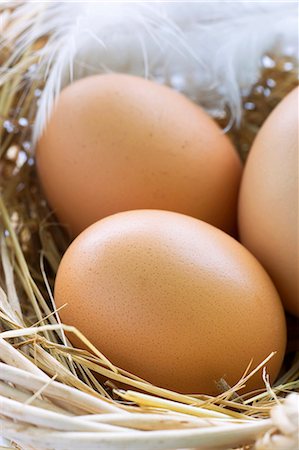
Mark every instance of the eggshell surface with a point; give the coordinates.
(268, 203)
(172, 300)
(118, 142)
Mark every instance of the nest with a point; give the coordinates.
(49, 395)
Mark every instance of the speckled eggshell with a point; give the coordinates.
(171, 299)
(268, 203)
(118, 142)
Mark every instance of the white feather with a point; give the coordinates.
(210, 51)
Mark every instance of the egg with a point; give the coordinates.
(117, 142)
(171, 299)
(268, 203)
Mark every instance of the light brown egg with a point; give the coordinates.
(268, 204)
(118, 142)
(171, 299)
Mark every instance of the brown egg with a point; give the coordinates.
(171, 299)
(268, 204)
(118, 142)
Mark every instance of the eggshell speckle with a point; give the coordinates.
(119, 142)
(268, 204)
(171, 299)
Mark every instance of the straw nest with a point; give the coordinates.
(49, 396)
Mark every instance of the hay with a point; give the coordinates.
(49, 396)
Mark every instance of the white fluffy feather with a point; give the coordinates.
(210, 51)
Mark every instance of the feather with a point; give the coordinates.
(210, 51)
